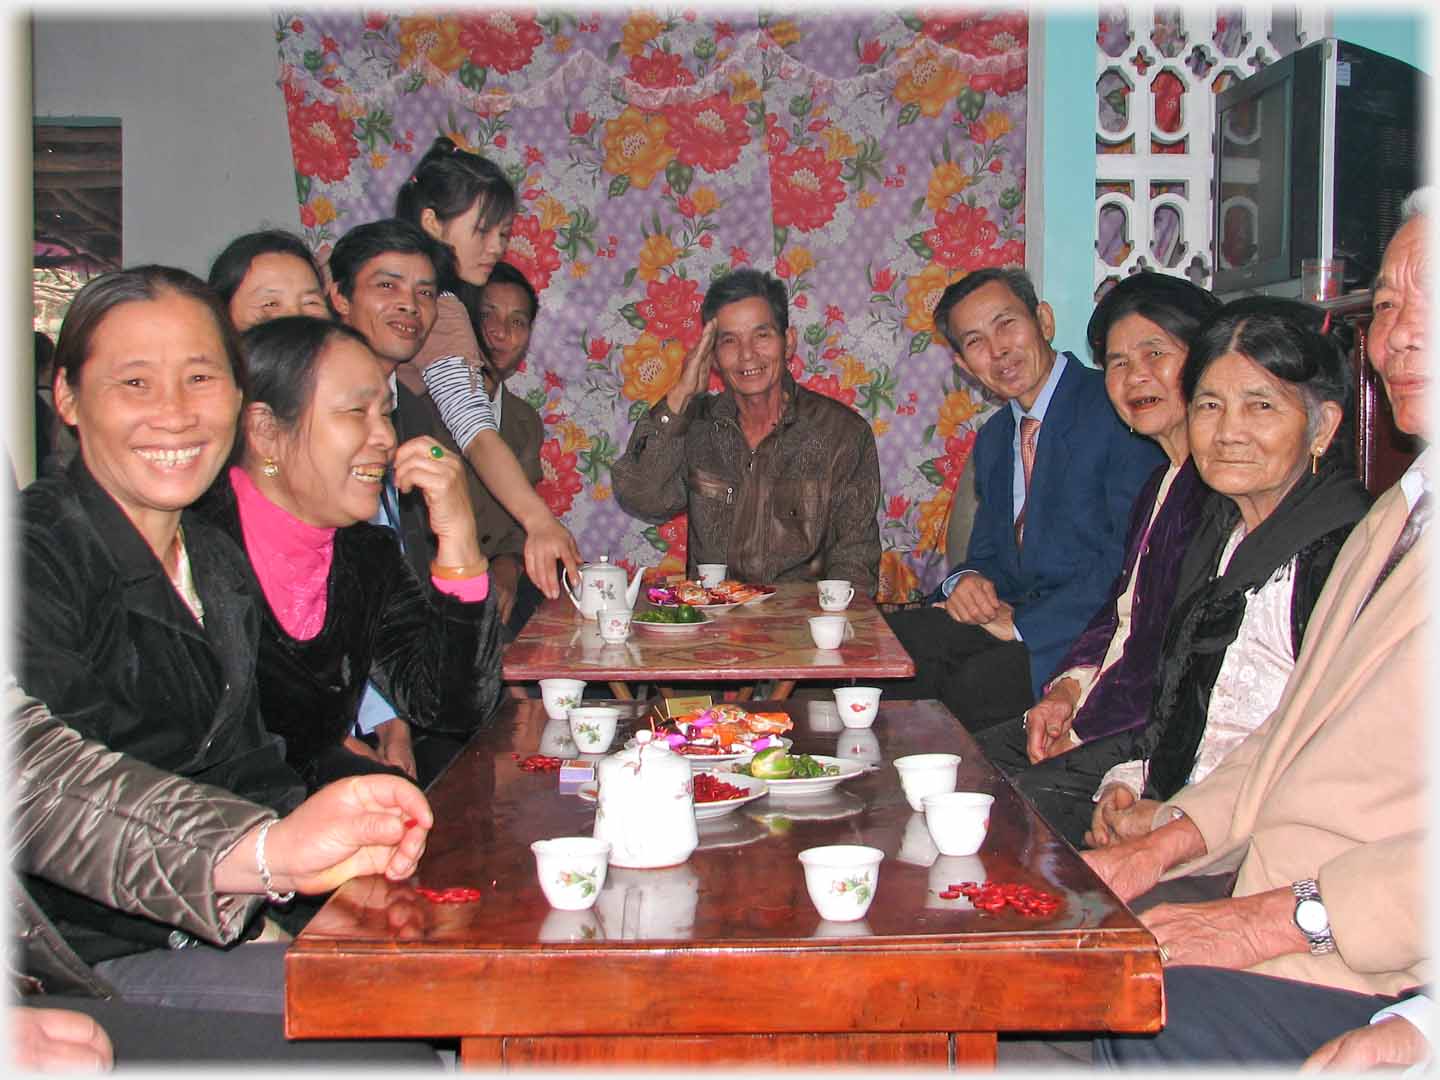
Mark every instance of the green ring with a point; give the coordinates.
(437, 452)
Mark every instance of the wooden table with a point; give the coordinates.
(765, 640)
(723, 959)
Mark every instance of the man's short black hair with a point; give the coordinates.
(365, 242)
(1013, 278)
(742, 285)
(506, 274)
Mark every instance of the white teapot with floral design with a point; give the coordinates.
(646, 807)
(602, 585)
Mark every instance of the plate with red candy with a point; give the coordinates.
(714, 795)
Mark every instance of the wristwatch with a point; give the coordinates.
(1311, 917)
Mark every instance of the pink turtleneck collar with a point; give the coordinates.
(290, 558)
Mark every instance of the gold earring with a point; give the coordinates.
(270, 469)
(1315, 461)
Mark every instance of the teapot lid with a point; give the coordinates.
(602, 563)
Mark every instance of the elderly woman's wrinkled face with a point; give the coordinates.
(1142, 376)
(1248, 434)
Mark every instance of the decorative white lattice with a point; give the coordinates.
(1158, 67)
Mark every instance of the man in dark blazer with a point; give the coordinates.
(1042, 554)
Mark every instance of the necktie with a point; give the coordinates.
(1414, 526)
(1029, 433)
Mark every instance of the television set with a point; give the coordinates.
(1313, 156)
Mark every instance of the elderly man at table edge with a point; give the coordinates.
(1038, 564)
(1324, 807)
(781, 484)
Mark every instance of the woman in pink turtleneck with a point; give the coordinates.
(342, 605)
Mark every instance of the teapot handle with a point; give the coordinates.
(565, 584)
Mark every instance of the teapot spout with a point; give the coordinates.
(632, 591)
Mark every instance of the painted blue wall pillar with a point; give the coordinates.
(1067, 230)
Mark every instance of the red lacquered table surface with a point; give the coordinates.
(749, 642)
(723, 959)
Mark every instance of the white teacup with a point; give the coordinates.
(926, 774)
(835, 594)
(614, 624)
(857, 704)
(593, 727)
(711, 573)
(958, 820)
(828, 631)
(572, 870)
(560, 696)
(841, 879)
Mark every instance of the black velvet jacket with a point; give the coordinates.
(435, 658)
(105, 641)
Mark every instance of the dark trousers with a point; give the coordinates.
(979, 678)
(1061, 788)
(1221, 1017)
(156, 1034)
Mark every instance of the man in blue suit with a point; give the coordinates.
(1045, 548)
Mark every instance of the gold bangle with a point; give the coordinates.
(460, 573)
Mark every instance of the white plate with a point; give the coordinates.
(816, 785)
(760, 599)
(700, 762)
(669, 627)
(754, 789)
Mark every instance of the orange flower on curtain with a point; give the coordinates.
(867, 158)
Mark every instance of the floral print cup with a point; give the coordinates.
(835, 594)
(614, 624)
(710, 573)
(841, 879)
(858, 705)
(593, 727)
(560, 696)
(572, 870)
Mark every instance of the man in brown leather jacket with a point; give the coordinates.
(781, 484)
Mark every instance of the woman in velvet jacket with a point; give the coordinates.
(341, 604)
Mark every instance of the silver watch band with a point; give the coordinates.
(1323, 941)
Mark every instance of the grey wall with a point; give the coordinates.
(206, 146)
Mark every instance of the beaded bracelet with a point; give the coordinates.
(460, 573)
(264, 868)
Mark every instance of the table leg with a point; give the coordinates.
(783, 689)
(622, 691)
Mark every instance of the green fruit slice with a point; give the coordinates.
(772, 764)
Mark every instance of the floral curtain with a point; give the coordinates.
(866, 159)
